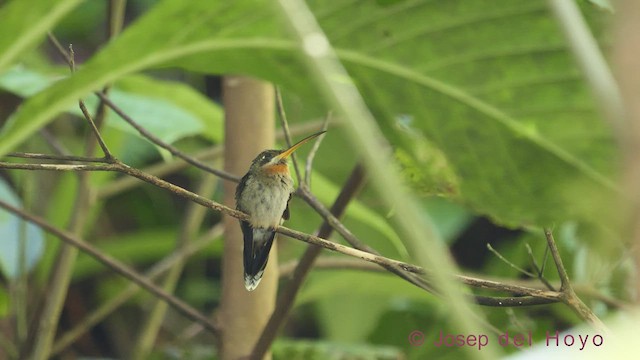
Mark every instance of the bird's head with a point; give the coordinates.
(275, 161)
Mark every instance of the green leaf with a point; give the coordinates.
(25, 22)
(173, 110)
(167, 109)
(508, 109)
(17, 233)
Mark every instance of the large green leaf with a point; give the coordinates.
(25, 22)
(507, 109)
(168, 109)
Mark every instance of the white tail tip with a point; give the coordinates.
(251, 282)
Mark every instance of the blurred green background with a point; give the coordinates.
(493, 128)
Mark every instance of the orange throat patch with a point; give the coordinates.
(278, 169)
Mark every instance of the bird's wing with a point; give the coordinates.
(286, 213)
(240, 186)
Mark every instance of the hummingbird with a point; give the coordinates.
(264, 193)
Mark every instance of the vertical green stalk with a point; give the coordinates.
(191, 223)
(61, 278)
(21, 283)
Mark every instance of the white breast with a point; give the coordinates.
(265, 201)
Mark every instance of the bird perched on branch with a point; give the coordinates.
(263, 193)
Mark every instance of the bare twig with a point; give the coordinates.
(287, 134)
(59, 47)
(115, 302)
(540, 270)
(330, 263)
(313, 151)
(497, 254)
(53, 143)
(70, 158)
(60, 167)
(562, 272)
(94, 129)
(513, 301)
(176, 164)
(106, 101)
(310, 199)
(163, 144)
(569, 296)
(311, 239)
(115, 265)
(85, 112)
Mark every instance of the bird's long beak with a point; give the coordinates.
(285, 154)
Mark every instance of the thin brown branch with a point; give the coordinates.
(87, 115)
(512, 301)
(115, 265)
(60, 167)
(565, 284)
(313, 151)
(509, 288)
(165, 168)
(59, 47)
(333, 221)
(512, 265)
(314, 240)
(311, 239)
(569, 296)
(540, 269)
(94, 129)
(121, 298)
(287, 134)
(163, 144)
(70, 158)
(160, 170)
(400, 271)
(544, 296)
(53, 143)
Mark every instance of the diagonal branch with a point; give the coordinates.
(287, 134)
(313, 151)
(311, 239)
(569, 296)
(71, 158)
(164, 145)
(121, 298)
(116, 265)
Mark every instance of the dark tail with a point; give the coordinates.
(257, 244)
